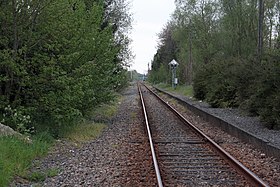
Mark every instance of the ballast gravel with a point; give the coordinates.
(250, 124)
(119, 157)
(265, 167)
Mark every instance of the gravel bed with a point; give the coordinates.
(267, 168)
(253, 125)
(119, 157)
(183, 163)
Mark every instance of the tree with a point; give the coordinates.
(167, 49)
(232, 49)
(56, 61)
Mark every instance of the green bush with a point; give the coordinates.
(200, 83)
(250, 85)
(216, 83)
(62, 67)
(266, 98)
(17, 119)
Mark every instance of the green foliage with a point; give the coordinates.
(39, 176)
(167, 49)
(265, 100)
(134, 76)
(106, 111)
(162, 75)
(216, 83)
(95, 123)
(84, 132)
(253, 86)
(200, 83)
(17, 120)
(181, 89)
(59, 59)
(16, 156)
(216, 45)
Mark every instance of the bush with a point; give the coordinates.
(217, 83)
(266, 98)
(200, 83)
(250, 85)
(17, 120)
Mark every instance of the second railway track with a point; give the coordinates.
(184, 157)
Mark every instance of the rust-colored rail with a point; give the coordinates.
(150, 139)
(249, 175)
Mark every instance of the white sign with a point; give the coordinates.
(173, 63)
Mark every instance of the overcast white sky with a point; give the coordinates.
(149, 19)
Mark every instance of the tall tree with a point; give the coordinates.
(56, 61)
(260, 29)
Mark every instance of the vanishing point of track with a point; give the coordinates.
(183, 155)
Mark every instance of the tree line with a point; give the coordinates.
(228, 50)
(59, 59)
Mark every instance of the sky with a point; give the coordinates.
(149, 17)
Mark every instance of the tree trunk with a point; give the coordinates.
(260, 29)
(190, 63)
(15, 44)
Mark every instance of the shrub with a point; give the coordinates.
(265, 100)
(17, 119)
(217, 83)
(200, 83)
(250, 85)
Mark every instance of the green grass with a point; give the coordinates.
(39, 176)
(105, 112)
(92, 127)
(85, 132)
(180, 89)
(16, 156)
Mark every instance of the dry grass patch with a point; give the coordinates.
(85, 132)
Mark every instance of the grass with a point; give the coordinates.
(16, 156)
(85, 132)
(180, 89)
(105, 112)
(39, 176)
(97, 121)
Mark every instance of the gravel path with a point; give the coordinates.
(119, 157)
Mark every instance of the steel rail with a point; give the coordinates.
(160, 184)
(250, 176)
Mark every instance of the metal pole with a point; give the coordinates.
(173, 77)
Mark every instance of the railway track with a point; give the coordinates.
(183, 155)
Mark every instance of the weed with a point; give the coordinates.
(16, 156)
(84, 132)
(105, 112)
(133, 115)
(39, 176)
(53, 172)
(180, 89)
